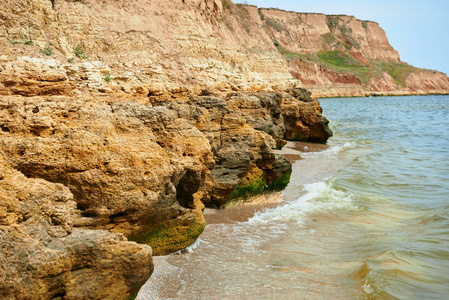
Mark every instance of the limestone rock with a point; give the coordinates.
(42, 257)
(123, 161)
(293, 116)
(133, 166)
(33, 76)
(242, 132)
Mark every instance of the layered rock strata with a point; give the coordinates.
(110, 46)
(145, 46)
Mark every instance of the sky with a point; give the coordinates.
(417, 29)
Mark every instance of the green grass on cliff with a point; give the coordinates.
(336, 61)
(341, 62)
(398, 71)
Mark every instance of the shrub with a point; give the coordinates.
(239, 12)
(332, 21)
(274, 24)
(47, 51)
(26, 40)
(107, 77)
(79, 52)
(262, 17)
(227, 4)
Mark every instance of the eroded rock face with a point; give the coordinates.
(133, 166)
(242, 129)
(33, 77)
(309, 33)
(43, 257)
(111, 155)
(143, 44)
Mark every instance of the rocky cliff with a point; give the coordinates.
(343, 56)
(156, 47)
(122, 120)
(144, 168)
(145, 46)
(138, 114)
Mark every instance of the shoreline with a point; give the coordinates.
(242, 210)
(164, 280)
(324, 95)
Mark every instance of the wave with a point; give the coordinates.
(319, 197)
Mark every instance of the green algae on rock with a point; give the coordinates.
(170, 237)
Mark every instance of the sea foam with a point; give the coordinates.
(318, 197)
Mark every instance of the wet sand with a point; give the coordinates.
(241, 212)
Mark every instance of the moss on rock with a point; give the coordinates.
(169, 237)
(257, 185)
(280, 183)
(249, 189)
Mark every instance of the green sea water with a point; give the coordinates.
(367, 218)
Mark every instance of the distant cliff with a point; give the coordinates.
(343, 56)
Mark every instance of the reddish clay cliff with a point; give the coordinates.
(343, 56)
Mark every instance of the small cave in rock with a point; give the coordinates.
(188, 185)
(85, 210)
(123, 216)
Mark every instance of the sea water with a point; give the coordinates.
(367, 218)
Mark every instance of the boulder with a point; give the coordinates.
(43, 257)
